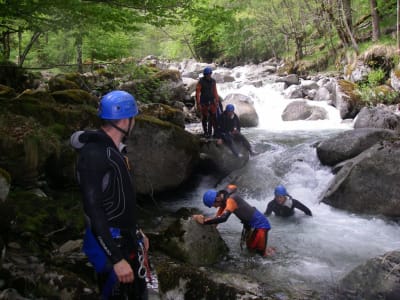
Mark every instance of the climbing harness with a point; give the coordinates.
(144, 266)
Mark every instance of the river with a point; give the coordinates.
(311, 252)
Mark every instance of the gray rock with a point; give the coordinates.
(349, 144)
(300, 110)
(368, 183)
(377, 278)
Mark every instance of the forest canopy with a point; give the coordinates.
(41, 33)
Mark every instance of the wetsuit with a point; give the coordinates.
(207, 100)
(255, 224)
(287, 208)
(229, 132)
(109, 203)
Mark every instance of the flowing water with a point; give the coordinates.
(315, 251)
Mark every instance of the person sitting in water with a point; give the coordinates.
(229, 131)
(283, 204)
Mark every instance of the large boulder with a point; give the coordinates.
(163, 155)
(377, 117)
(187, 241)
(220, 157)
(349, 144)
(377, 278)
(345, 99)
(179, 281)
(244, 108)
(300, 110)
(368, 183)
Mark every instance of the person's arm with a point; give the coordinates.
(219, 219)
(215, 93)
(302, 207)
(236, 122)
(198, 92)
(269, 209)
(91, 175)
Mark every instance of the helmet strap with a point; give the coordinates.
(124, 132)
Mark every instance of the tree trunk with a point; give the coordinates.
(79, 60)
(398, 26)
(328, 7)
(22, 57)
(348, 16)
(375, 21)
(349, 31)
(5, 41)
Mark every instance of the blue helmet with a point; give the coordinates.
(209, 197)
(230, 108)
(280, 191)
(207, 71)
(117, 105)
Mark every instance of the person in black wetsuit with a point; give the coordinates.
(112, 242)
(207, 101)
(283, 204)
(229, 131)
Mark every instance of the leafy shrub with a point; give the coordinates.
(373, 95)
(376, 77)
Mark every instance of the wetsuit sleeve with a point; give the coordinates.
(236, 123)
(215, 93)
(270, 208)
(198, 91)
(219, 219)
(91, 175)
(297, 204)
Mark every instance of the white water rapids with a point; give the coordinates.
(318, 250)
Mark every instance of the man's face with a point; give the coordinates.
(280, 199)
(218, 201)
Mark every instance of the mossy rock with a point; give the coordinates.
(75, 96)
(68, 117)
(164, 113)
(350, 89)
(36, 96)
(7, 92)
(24, 148)
(12, 75)
(172, 75)
(38, 218)
(60, 84)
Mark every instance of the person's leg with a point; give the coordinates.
(205, 118)
(213, 119)
(228, 140)
(242, 139)
(258, 242)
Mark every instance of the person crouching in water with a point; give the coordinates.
(255, 224)
(283, 204)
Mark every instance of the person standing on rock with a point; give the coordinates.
(283, 204)
(229, 131)
(207, 101)
(113, 243)
(255, 224)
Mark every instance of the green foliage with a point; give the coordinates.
(373, 95)
(376, 77)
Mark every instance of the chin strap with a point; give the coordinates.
(124, 132)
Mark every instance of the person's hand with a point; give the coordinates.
(235, 131)
(146, 242)
(198, 218)
(124, 271)
(220, 142)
